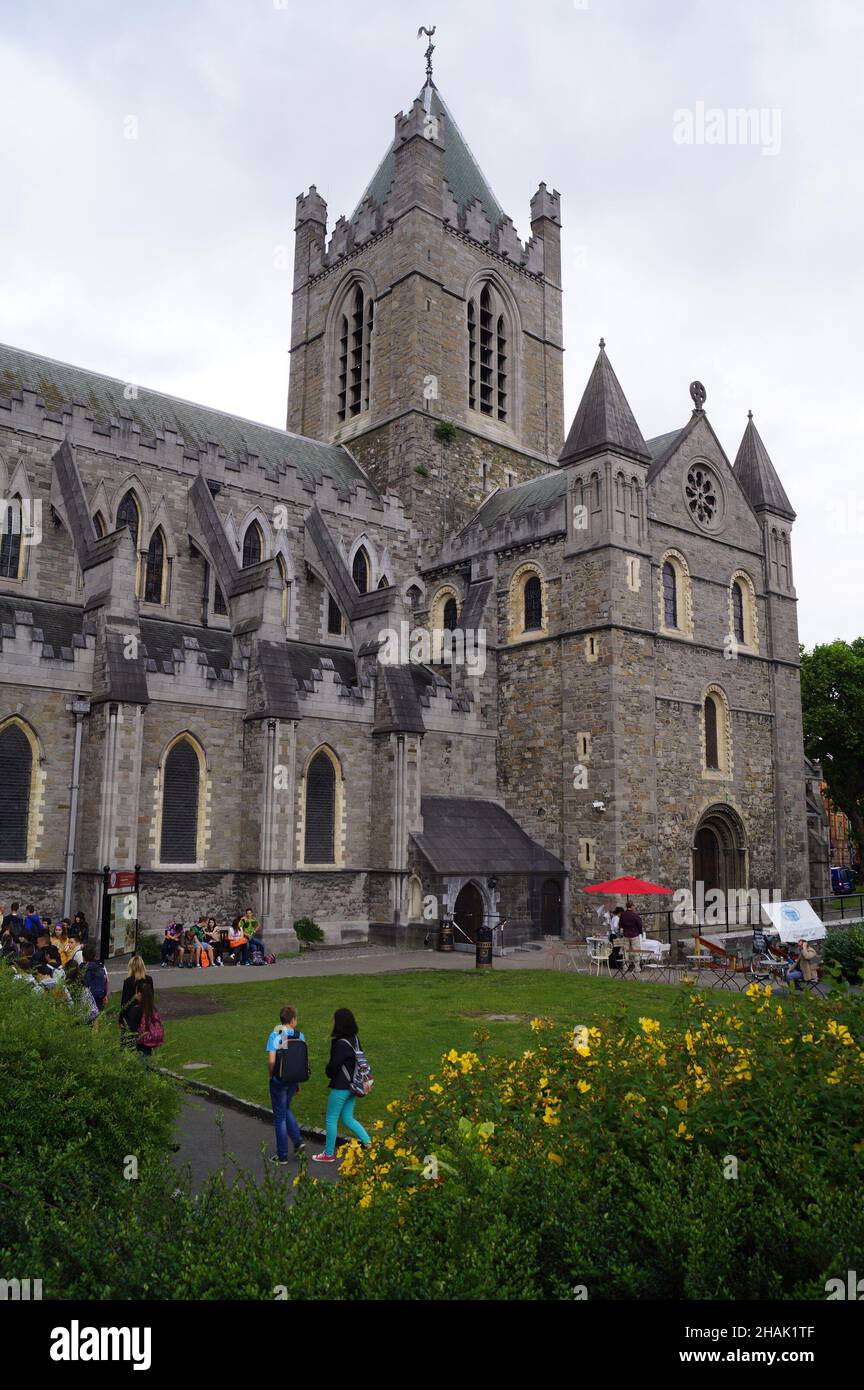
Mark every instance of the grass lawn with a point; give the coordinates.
(406, 1023)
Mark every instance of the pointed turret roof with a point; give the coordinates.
(461, 170)
(604, 419)
(758, 476)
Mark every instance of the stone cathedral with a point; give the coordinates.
(193, 607)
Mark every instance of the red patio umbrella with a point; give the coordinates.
(626, 886)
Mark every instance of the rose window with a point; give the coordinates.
(701, 493)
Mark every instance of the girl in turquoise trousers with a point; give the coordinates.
(340, 1069)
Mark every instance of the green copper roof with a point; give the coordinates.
(104, 398)
(461, 170)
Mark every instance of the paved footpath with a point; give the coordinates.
(346, 961)
(213, 1138)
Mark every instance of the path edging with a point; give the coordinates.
(245, 1107)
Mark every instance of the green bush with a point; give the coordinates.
(150, 948)
(845, 950)
(308, 931)
(76, 1108)
(603, 1164)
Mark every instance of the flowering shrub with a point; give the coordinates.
(715, 1158)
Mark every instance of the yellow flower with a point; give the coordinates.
(392, 1107)
(535, 1025)
(681, 1104)
(549, 1117)
(543, 1083)
(583, 1086)
(649, 1025)
(554, 1158)
(377, 1124)
(453, 1056)
(366, 1200)
(389, 1142)
(439, 1090)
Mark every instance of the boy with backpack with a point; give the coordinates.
(288, 1065)
(95, 977)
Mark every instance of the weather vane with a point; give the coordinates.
(429, 51)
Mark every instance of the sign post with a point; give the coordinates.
(119, 936)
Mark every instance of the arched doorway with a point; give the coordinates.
(469, 911)
(550, 908)
(719, 852)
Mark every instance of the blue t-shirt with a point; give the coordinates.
(275, 1040)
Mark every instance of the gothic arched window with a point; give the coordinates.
(360, 571)
(533, 604)
(712, 745)
(488, 353)
(11, 547)
(451, 615)
(181, 794)
(154, 574)
(286, 589)
(738, 612)
(16, 779)
(253, 545)
(99, 525)
(354, 353)
(129, 514)
(670, 595)
(335, 624)
(219, 604)
(320, 837)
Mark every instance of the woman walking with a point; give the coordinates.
(143, 1021)
(137, 973)
(344, 1049)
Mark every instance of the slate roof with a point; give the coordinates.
(662, 446)
(466, 836)
(525, 499)
(604, 419)
(400, 690)
(125, 679)
(758, 476)
(461, 170)
(161, 640)
(59, 385)
(59, 623)
(305, 657)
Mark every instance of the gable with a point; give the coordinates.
(691, 485)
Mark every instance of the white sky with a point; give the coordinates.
(156, 259)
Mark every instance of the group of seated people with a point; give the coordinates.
(37, 940)
(206, 943)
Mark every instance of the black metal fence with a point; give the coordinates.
(742, 911)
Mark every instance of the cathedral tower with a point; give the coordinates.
(425, 336)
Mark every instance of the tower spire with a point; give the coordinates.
(429, 51)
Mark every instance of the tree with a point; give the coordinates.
(832, 700)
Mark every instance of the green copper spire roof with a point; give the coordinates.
(461, 170)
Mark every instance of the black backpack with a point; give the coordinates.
(292, 1061)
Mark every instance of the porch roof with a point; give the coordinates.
(462, 835)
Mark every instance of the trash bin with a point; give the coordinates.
(483, 948)
(445, 935)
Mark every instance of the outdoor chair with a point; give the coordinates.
(598, 954)
(565, 954)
